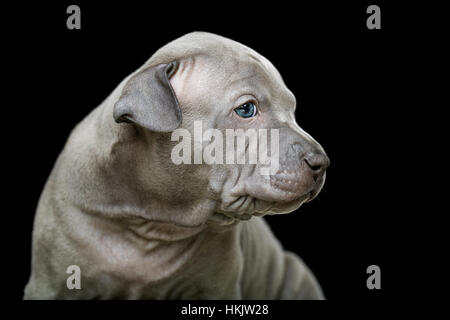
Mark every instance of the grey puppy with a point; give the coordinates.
(141, 227)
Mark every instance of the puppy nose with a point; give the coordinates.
(318, 163)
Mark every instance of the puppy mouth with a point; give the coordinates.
(277, 194)
(288, 188)
(317, 188)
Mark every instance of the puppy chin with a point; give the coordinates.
(284, 207)
(268, 197)
(244, 207)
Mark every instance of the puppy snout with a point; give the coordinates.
(318, 163)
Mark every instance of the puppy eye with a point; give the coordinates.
(247, 110)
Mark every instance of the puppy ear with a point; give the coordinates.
(149, 101)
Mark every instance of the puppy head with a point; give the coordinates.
(207, 88)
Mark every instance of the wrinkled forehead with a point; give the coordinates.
(253, 72)
(234, 72)
(221, 68)
(236, 61)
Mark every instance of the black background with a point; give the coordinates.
(347, 80)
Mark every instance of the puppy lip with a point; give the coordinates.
(281, 196)
(316, 189)
(291, 187)
(311, 195)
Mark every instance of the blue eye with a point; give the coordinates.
(247, 110)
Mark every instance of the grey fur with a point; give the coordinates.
(141, 227)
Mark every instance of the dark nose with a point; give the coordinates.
(318, 163)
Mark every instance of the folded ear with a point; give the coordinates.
(149, 101)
